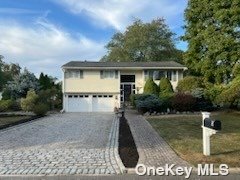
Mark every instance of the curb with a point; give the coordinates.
(114, 146)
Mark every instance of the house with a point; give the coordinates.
(103, 86)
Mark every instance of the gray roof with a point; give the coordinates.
(150, 64)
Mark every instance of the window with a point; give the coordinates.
(70, 96)
(174, 75)
(127, 78)
(108, 74)
(169, 75)
(74, 74)
(155, 74)
(148, 74)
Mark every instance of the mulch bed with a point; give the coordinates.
(127, 148)
(18, 122)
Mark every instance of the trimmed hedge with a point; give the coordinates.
(165, 86)
(165, 93)
(151, 87)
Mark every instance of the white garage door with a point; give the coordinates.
(78, 103)
(90, 103)
(103, 103)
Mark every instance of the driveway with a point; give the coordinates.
(70, 143)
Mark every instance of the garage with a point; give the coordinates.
(89, 103)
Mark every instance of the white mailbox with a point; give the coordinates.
(209, 127)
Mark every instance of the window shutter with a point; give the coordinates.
(116, 74)
(145, 74)
(101, 74)
(81, 74)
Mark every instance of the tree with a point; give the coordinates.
(143, 42)
(150, 87)
(7, 72)
(22, 83)
(236, 70)
(28, 103)
(1, 73)
(231, 94)
(46, 82)
(212, 32)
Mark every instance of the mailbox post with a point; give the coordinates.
(209, 127)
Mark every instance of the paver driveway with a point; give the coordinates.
(70, 143)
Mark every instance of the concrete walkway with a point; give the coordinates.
(152, 149)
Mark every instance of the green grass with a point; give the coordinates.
(184, 134)
(11, 119)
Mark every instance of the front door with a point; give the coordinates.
(127, 92)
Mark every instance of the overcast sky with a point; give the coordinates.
(42, 35)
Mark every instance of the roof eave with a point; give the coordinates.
(138, 68)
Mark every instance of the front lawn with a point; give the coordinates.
(11, 119)
(184, 134)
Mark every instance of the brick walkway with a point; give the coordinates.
(152, 149)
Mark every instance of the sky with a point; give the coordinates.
(42, 35)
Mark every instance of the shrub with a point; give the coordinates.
(148, 104)
(236, 69)
(166, 99)
(140, 97)
(198, 93)
(28, 103)
(165, 93)
(6, 94)
(5, 105)
(202, 103)
(40, 109)
(150, 87)
(189, 83)
(230, 96)
(165, 86)
(213, 92)
(183, 102)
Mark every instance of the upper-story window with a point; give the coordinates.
(158, 74)
(155, 74)
(109, 74)
(74, 74)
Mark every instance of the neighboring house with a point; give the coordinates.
(103, 86)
